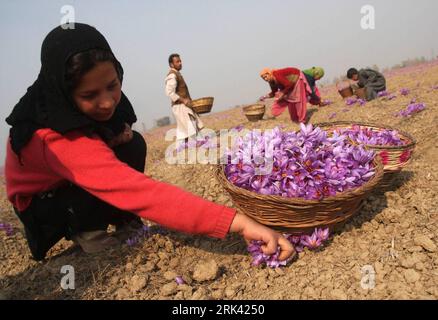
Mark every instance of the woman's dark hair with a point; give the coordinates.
(82, 62)
(351, 72)
(173, 55)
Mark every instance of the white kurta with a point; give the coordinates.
(188, 122)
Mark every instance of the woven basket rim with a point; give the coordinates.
(367, 186)
(203, 98)
(254, 106)
(404, 134)
(202, 101)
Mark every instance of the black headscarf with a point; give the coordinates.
(48, 104)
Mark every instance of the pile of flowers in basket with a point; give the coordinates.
(307, 164)
(364, 135)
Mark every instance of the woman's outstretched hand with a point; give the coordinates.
(252, 230)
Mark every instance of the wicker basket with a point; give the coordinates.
(394, 158)
(254, 112)
(346, 93)
(361, 93)
(202, 105)
(296, 215)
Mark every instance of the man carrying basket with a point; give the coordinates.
(187, 121)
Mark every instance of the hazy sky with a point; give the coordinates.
(223, 44)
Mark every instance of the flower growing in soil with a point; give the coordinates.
(412, 109)
(382, 94)
(350, 101)
(404, 91)
(312, 242)
(326, 102)
(138, 235)
(179, 280)
(8, 228)
(362, 102)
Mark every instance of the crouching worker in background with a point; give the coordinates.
(373, 81)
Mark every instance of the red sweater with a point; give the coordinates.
(285, 79)
(51, 159)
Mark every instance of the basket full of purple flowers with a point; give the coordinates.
(307, 179)
(394, 146)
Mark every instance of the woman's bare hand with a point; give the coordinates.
(252, 230)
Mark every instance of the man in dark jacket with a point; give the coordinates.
(372, 80)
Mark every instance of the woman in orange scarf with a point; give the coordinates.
(290, 88)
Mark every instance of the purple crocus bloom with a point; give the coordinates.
(362, 102)
(239, 127)
(322, 234)
(132, 241)
(8, 228)
(179, 280)
(333, 115)
(306, 163)
(412, 109)
(258, 259)
(311, 242)
(404, 91)
(383, 94)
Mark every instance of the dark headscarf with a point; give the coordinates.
(47, 102)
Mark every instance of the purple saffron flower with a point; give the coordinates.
(326, 102)
(333, 115)
(306, 164)
(311, 242)
(132, 241)
(259, 257)
(412, 109)
(322, 234)
(350, 101)
(404, 91)
(8, 228)
(179, 280)
(362, 102)
(383, 94)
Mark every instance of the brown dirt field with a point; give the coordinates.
(396, 232)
